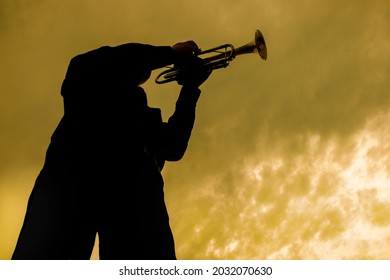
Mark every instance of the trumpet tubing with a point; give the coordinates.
(224, 55)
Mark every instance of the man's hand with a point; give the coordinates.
(185, 48)
(191, 67)
(192, 73)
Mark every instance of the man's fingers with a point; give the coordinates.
(184, 48)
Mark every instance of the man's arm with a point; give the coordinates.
(123, 65)
(172, 138)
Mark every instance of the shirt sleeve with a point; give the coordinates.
(170, 141)
(122, 65)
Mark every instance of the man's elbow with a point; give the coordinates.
(176, 153)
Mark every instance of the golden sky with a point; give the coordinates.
(289, 158)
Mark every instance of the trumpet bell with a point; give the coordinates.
(256, 46)
(260, 45)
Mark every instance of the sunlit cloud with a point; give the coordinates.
(317, 205)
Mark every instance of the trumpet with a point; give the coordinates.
(223, 55)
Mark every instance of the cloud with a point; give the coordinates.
(305, 191)
(313, 205)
